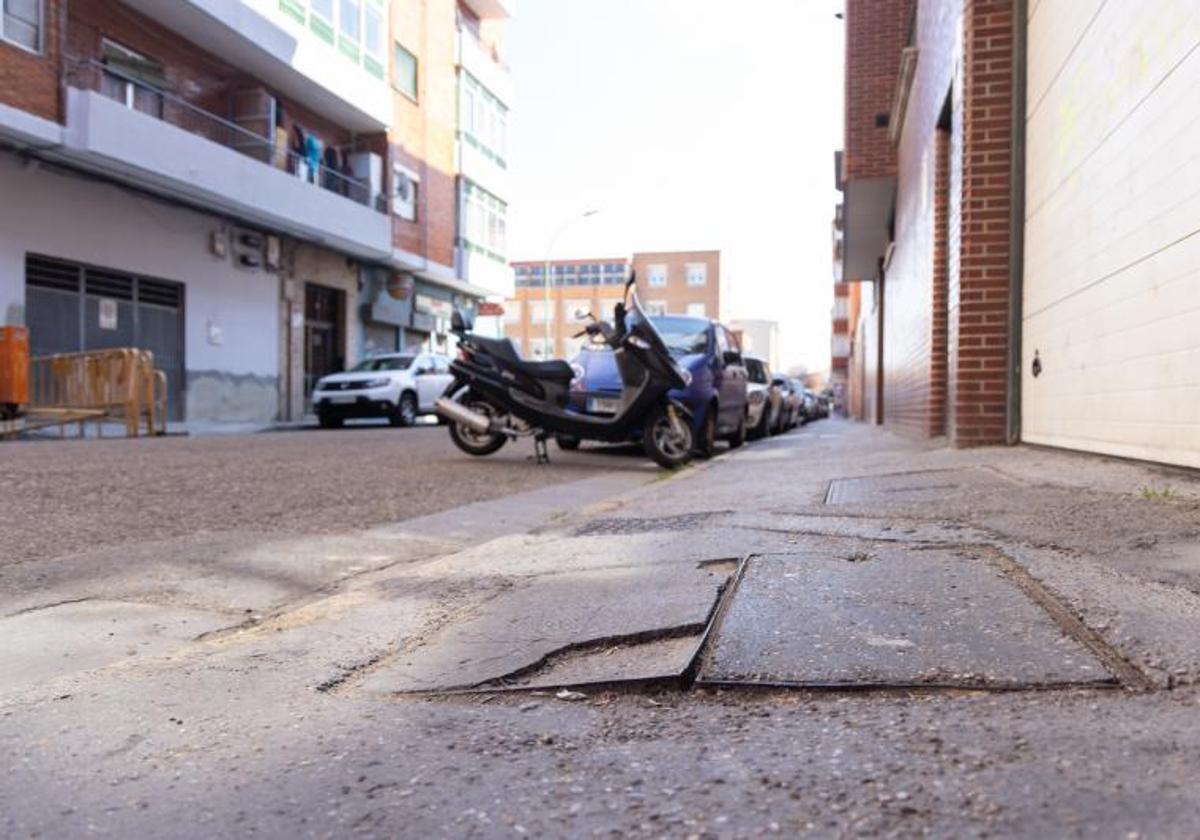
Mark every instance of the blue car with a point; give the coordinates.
(716, 397)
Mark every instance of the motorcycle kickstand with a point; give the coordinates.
(540, 453)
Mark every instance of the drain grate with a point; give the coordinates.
(620, 526)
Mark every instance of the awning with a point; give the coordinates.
(869, 204)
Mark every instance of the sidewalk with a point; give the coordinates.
(835, 632)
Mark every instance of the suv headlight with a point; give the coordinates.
(377, 383)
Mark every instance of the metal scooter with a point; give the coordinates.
(497, 396)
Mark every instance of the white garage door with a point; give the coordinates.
(1112, 228)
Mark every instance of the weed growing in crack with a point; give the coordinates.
(859, 557)
(1152, 494)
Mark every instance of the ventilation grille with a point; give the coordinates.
(158, 293)
(43, 273)
(109, 284)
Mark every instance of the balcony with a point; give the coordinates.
(169, 146)
(282, 54)
(493, 8)
(485, 65)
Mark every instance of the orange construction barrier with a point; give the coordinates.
(14, 371)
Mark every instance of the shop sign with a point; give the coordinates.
(489, 308)
(432, 306)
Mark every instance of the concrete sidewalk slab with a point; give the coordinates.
(520, 630)
(887, 616)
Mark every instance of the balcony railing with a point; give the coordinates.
(156, 102)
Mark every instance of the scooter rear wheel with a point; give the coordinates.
(471, 441)
(668, 445)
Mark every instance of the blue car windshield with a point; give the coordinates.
(681, 334)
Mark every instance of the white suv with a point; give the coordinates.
(398, 386)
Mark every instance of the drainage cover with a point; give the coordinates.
(931, 485)
(872, 616)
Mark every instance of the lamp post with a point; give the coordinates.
(548, 339)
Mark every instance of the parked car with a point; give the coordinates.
(791, 404)
(763, 400)
(398, 386)
(716, 396)
(809, 409)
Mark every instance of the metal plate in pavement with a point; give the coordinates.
(890, 617)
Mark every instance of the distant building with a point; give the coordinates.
(758, 337)
(543, 318)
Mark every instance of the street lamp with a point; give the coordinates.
(546, 278)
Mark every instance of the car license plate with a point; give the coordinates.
(600, 405)
(342, 398)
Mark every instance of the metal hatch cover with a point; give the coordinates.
(890, 616)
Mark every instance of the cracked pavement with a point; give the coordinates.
(979, 642)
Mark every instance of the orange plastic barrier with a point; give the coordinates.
(14, 370)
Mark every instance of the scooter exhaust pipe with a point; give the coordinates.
(456, 412)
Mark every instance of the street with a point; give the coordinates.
(781, 641)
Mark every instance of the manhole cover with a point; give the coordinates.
(905, 487)
(890, 616)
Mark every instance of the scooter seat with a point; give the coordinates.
(555, 370)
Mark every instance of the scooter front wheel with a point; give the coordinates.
(667, 442)
(471, 441)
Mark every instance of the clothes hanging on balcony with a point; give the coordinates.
(329, 177)
(296, 158)
(312, 155)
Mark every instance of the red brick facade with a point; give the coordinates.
(29, 81)
(876, 31)
(945, 289)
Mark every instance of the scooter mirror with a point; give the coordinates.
(461, 321)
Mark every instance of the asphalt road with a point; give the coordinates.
(61, 497)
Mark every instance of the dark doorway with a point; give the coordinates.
(323, 335)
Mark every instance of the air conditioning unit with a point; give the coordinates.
(367, 168)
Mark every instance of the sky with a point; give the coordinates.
(690, 125)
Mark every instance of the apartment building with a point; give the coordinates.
(543, 318)
(1020, 202)
(448, 174)
(680, 282)
(217, 182)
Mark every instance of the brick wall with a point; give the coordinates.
(424, 132)
(29, 81)
(979, 409)
(876, 30)
(945, 296)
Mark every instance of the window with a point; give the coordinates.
(131, 79)
(537, 348)
(482, 118)
(21, 23)
(512, 312)
(484, 227)
(373, 36)
(348, 20)
(441, 364)
(656, 307)
(697, 274)
(405, 187)
(537, 312)
(657, 275)
(696, 310)
(322, 10)
(405, 73)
